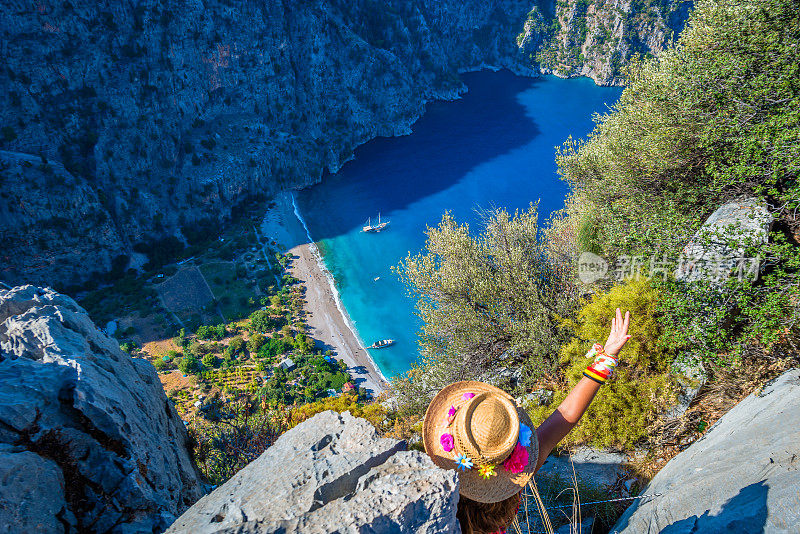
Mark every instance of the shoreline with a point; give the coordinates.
(327, 319)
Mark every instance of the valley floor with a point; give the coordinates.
(327, 322)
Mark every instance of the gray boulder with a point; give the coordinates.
(594, 467)
(331, 473)
(88, 440)
(742, 476)
(538, 397)
(719, 246)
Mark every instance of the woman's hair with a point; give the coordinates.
(485, 518)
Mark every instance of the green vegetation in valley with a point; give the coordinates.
(231, 287)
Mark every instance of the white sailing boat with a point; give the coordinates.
(376, 228)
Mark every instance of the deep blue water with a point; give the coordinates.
(494, 147)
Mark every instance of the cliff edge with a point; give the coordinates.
(743, 475)
(88, 440)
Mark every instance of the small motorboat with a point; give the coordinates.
(382, 344)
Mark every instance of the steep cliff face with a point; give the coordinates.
(88, 440)
(45, 208)
(598, 38)
(170, 114)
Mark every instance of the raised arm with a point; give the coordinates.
(572, 408)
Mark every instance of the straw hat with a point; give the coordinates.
(484, 423)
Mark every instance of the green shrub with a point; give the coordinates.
(274, 346)
(235, 345)
(189, 365)
(263, 321)
(211, 332)
(486, 301)
(627, 404)
(226, 445)
(255, 342)
(210, 361)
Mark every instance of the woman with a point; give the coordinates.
(479, 430)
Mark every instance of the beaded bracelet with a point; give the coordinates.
(603, 366)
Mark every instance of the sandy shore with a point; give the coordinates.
(327, 323)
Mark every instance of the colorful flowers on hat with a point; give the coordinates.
(463, 463)
(486, 471)
(518, 461)
(447, 442)
(451, 413)
(525, 435)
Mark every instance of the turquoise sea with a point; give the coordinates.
(494, 147)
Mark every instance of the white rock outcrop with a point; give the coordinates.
(331, 473)
(718, 248)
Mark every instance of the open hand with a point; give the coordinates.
(619, 333)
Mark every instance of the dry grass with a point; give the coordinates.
(550, 503)
(160, 348)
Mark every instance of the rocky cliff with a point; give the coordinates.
(598, 38)
(743, 475)
(128, 122)
(88, 440)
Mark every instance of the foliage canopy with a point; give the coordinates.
(485, 300)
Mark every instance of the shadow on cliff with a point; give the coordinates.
(449, 140)
(745, 512)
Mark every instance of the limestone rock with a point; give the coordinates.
(101, 447)
(742, 476)
(331, 473)
(690, 375)
(718, 247)
(607, 33)
(537, 397)
(32, 496)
